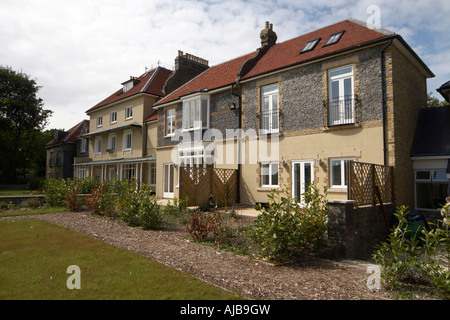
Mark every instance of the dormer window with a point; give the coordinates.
(128, 85)
(310, 45)
(334, 38)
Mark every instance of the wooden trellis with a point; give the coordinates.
(199, 184)
(363, 178)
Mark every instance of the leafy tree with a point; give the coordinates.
(435, 102)
(22, 119)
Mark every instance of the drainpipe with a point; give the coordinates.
(383, 92)
(239, 142)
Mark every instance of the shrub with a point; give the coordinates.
(286, 227)
(139, 207)
(31, 203)
(55, 192)
(202, 224)
(424, 256)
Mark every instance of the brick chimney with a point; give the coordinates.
(268, 36)
(187, 67)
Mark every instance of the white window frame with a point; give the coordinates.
(98, 146)
(129, 113)
(431, 180)
(112, 146)
(194, 110)
(273, 125)
(99, 121)
(128, 171)
(271, 165)
(126, 134)
(83, 145)
(302, 184)
(113, 117)
(80, 172)
(343, 161)
(170, 122)
(340, 106)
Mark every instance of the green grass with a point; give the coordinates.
(34, 256)
(27, 212)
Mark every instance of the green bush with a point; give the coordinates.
(55, 191)
(420, 257)
(139, 207)
(286, 227)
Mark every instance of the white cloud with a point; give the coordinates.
(80, 51)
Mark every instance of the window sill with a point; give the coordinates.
(338, 189)
(267, 188)
(341, 126)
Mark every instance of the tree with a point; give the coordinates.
(435, 102)
(22, 118)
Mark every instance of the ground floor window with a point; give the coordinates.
(431, 188)
(129, 171)
(152, 173)
(269, 174)
(80, 172)
(338, 173)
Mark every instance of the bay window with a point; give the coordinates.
(196, 113)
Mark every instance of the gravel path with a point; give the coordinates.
(309, 279)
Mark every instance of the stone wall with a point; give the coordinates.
(354, 232)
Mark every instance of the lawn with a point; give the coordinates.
(35, 255)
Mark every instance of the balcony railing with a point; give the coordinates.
(341, 110)
(269, 122)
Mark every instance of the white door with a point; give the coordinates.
(168, 180)
(302, 177)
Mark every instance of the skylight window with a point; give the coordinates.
(310, 45)
(334, 38)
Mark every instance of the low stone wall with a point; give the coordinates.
(17, 200)
(354, 232)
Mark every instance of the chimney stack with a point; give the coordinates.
(268, 36)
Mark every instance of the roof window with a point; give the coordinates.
(334, 38)
(310, 45)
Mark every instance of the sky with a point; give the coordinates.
(79, 52)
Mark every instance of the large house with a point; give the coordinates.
(121, 134)
(296, 112)
(288, 114)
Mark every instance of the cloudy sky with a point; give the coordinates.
(80, 51)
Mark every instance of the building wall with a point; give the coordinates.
(406, 94)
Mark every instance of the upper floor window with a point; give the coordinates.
(128, 113)
(127, 140)
(99, 121)
(269, 109)
(98, 145)
(196, 113)
(170, 122)
(341, 96)
(83, 145)
(112, 143)
(334, 38)
(310, 45)
(113, 117)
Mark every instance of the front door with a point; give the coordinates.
(302, 177)
(168, 180)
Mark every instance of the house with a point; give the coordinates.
(296, 112)
(121, 130)
(65, 146)
(430, 153)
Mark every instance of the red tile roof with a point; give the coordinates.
(280, 56)
(152, 117)
(151, 82)
(72, 134)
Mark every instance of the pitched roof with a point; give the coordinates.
(215, 77)
(432, 135)
(71, 135)
(281, 55)
(151, 82)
